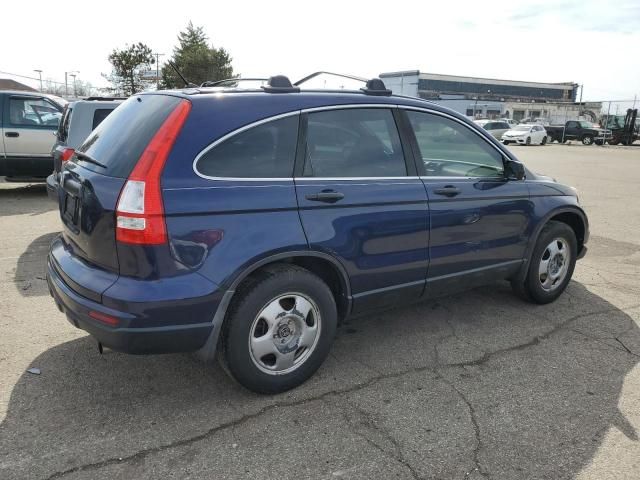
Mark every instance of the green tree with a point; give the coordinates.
(128, 65)
(196, 59)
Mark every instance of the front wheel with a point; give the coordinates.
(544, 140)
(587, 140)
(506, 142)
(279, 329)
(528, 141)
(552, 264)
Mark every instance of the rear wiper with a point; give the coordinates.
(86, 158)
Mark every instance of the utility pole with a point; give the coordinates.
(40, 74)
(581, 90)
(73, 75)
(158, 55)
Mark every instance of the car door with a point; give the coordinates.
(479, 218)
(29, 129)
(361, 201)
(2, 156)
(571, 130)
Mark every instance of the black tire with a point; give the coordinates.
(531, 289)
(251, 298)
(544, 140)
(506, 142)
(587, 140)
(528, 141)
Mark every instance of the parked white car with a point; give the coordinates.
(526, 135)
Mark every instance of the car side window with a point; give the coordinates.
(99, 115)
(450, 149)
(25, 112)
(267, 150)
(572, 124)
(356, 142)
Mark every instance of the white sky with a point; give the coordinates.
(585, 41)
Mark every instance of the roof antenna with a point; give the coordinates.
(186, 83)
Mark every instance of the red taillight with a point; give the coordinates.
(66, 153)
(140, 212)
(104, 318)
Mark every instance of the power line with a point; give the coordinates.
(30, 78)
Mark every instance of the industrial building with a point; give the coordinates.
(494, 98)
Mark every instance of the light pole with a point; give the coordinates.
(66, 85)
(40, 74)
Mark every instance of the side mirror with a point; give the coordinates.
(513, 170)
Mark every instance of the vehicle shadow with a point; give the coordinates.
(31, 268)
(86, 408)
(20, 199)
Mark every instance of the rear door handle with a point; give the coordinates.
(447, 191)
(326, 197)
(12, 134)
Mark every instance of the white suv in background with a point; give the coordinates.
(28, 121)
(78, 121)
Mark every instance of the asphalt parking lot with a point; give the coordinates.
(479, 385)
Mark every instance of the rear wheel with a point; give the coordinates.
(279, 330)
(587, 140)
(551, 266)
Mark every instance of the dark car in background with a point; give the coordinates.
(79, 118)
(580, 130)
(249, 222)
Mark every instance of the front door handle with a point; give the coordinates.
(12, 134)
(326, 197)
(447, 191)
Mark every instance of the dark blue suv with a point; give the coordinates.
(248, 222)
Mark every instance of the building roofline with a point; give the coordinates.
(441, 75)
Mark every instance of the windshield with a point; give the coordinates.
(523, 128)
(586, 124)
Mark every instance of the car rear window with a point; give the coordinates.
(120, 139)
(99, 115)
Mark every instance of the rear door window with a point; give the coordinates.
(450, 149)
(359, 142)
(267, 150)
(99, 115)
(118, 142)
(33, 112)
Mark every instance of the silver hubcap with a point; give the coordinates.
(586, 140)
(284, 333)
(554, 264)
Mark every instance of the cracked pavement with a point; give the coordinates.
(477, 385)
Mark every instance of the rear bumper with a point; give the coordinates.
(52, 187)
(129, 336)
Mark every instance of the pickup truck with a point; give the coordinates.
(28, 122)
(574, 130)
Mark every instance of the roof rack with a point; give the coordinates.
(282, 84)
(233, 80)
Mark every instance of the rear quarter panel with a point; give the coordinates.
(223, 228)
